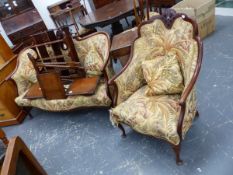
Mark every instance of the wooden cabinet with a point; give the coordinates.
(20, 19)
(10, 113)
(5, 51)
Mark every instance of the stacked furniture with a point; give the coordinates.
(93, 54)
(155, 92)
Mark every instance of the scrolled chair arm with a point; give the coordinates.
(187, 91)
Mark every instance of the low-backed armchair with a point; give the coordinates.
(93, 54)
(166, 116)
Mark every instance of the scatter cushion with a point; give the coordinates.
(163, 75)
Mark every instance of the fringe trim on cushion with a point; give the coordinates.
(113, 119)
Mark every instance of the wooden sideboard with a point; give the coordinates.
(20, 19)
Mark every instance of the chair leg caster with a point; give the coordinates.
(123, 135)
(176, 149)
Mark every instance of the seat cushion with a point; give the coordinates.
(156, 116)
(163, 75)
(100, 98)
(93, 53)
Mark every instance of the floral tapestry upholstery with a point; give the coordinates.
(93, 53)
(156, 40)
(100, 98)
(24, 74)
(25, 77)
(163, 75)
(156, 116)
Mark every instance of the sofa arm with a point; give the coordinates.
(184, 101)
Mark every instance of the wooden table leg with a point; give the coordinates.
(117, 28)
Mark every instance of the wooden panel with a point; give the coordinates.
(101, 3)
(20, 160)
(8, 107)
(5, 51)
(83, 86)
(10, 113)
(51, 86)
(21, 26)
(34, 92)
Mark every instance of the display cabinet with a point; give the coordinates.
(20, 19)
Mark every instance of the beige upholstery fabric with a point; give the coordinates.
(100, 98)
(25, 76)
(156, 40)
(155, 115)
(163, 75)
(93, 53)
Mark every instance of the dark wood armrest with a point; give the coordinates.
(187, 91)
(195, 74)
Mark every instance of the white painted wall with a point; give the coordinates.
(41, 6)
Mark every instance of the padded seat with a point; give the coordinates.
(151, 115)
(100, 98)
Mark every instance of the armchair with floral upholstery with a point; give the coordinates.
(146, 94)
(93, 54)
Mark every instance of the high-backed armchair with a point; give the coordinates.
(93, 53)
(166, 116)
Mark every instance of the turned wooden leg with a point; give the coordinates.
(176, 149)
(122, 129)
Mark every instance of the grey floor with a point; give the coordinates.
(84, 142)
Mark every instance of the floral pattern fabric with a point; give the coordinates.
(100, 98)
(25, 77)
(156, 116)
(156, 40)
(93, 53)
(163, 75)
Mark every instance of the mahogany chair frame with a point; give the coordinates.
(168, 18)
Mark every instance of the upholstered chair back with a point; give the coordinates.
(24, 74)
(93, 53)
(158, 39)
